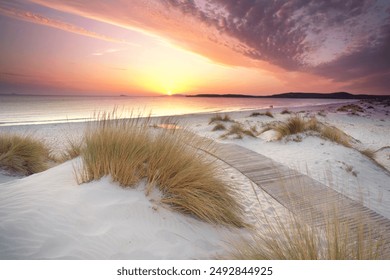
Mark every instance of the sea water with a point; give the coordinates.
(22, 109)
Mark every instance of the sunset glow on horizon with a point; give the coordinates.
(190, 47)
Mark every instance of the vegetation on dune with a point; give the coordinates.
(285, 111)
(321, 113)
(296, 124)
(335, 135)
(23, 155)
(169, 160)
(287, 237)
(369, 153)
(72, 150)
(352, 108)
(295, 240)
(293, 125)
(218, 117)
(239, 131)
(219, 126)
(267, 113)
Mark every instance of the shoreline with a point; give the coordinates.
(66, 117)
(184, 115)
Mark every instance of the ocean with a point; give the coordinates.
(21, 110)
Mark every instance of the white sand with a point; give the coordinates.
(49, 216)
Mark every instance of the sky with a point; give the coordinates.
(153, 47)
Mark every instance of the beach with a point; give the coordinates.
(48, 215)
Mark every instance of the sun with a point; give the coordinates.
(169, 92)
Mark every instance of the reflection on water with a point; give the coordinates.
(15, 110)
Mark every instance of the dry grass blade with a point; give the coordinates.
(23, 154)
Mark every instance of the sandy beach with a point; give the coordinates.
(48, 215)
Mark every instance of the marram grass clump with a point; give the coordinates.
(23, 155)
(129, 151)
(335, 135)
(296, 124)
(293, 125)
(220, 118)
(239, 131)
(219, 126)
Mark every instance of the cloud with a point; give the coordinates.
(106, 52)
(345, 41)
(39, 19)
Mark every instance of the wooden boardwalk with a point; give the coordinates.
(307, 198)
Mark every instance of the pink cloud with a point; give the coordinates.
(39, 19)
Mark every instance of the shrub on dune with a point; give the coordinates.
(23, 154)
(168, 159)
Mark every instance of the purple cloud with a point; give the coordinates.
(346, 41)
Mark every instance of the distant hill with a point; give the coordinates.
(333, 95)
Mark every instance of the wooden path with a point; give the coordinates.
(308, 199)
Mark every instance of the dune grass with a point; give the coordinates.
(312, 124)
(285, 111)
(335, 135)
(295, 240)
(239, 131)
(219, 126)
(296, 124)
(288, 237)
(72, 150)
(321, 113)
(267, 113)
(168, 160)
(218, 117)
(368, 153)
(352, 108)
(23, 155)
